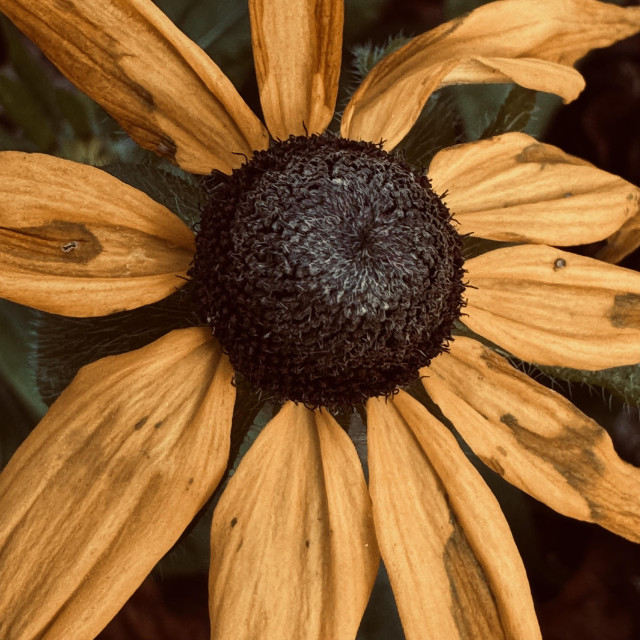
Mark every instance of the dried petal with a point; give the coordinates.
(454, 567)
(293, 553)
(515, 189)
(77, 242)
(535, 438)
(552, 307)
(297, 48)
(533, 44)
(165, 92)
(108, 481)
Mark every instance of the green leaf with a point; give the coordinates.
(27, 67)
(24, 109)
(75, 108)
(221, 28)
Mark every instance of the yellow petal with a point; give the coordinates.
(555, 308)
(535, 438)
(515, 189)
(533, 44)
(453, 565)
(107, 482)
(162, 88)
(293, 553)
(297, 48)
(77, 242)
(623, 242)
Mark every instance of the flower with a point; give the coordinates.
(137, 443)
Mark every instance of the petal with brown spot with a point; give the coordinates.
(556, 308)
(533, 44)
(297, 48)
(165, 92)
(78, 242)
(108, 481)
(535, 438)
(293, 552)
(515, 189)
(453, 565)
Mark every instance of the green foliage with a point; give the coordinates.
(221, 28)
(178, 191)
(17, 351)
(367, 56)
(438, 126)
(622, 382)
(514, 113)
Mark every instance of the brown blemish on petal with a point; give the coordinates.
(541, 154)
(138, 425)
(234, 522)
(474, 608)
(58, 241)
(510, 420)
(166, 148)
(571, 453)
(158, 424)
(625, 313)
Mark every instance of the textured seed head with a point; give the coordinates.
(328, 269)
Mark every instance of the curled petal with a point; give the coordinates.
(165, 92)
(78, 242)
(533, 44)
(108, 481)
(297, 48)
(515, 189)
(535, 438)
(293, 553)
(623, 242)
(453, 565)
(556, 308)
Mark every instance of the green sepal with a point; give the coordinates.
(514, 113)
(17, 352)
(176, 190)
(622, 382)
(438, 126)
(66, 344)
(367, 56)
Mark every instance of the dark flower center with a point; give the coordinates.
(328, 269)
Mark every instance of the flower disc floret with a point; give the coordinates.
(328, 269)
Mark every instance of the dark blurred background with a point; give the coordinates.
(585, 581)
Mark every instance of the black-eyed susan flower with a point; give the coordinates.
(320, 261)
